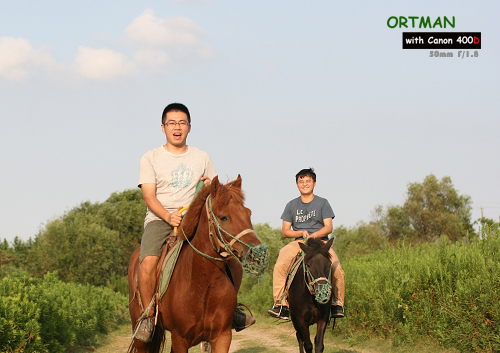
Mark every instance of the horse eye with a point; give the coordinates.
(223, 218)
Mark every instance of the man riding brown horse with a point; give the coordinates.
(168, 178)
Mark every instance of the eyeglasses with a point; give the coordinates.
(309, 181)
(172, 123)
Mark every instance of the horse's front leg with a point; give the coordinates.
(320, 335)
(179, 344)
(222, 343)
(300, 340)
(302, 333)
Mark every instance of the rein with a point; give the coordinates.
(321, 291)
(257, 257)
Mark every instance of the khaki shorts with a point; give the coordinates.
(154, 236)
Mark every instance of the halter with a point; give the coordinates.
(257, 257)
(321, 291)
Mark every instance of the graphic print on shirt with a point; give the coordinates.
(301, 216)
(181, 177)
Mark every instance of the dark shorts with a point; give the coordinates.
(153, 238)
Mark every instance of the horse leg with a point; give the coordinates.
(320, 335)
(306, 336)
(222, 343)
(303, 335)
(179, 345)
(300, 340)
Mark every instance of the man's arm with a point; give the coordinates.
(149, 196)
(286, 230)
(327, 229)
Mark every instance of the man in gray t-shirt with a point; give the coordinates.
(307, 216)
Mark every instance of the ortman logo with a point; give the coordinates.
(434, 40)
(424, 22)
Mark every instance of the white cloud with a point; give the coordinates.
(18, 58)
(148, 30)
(151, 58)
(102, 64)
(155, 44)
(179, 37)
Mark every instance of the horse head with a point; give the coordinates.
(318, 268)
(231, 227)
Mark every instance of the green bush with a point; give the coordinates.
(448, 292)
(258, 293)
(47, 315)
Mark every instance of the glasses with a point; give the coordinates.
(305, 181)
(171, 123)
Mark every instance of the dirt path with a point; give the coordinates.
(267, 336)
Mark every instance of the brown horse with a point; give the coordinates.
(200, 301)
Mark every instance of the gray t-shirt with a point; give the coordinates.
(308, 216)
(175, 176)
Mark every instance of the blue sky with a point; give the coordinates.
(272, 86)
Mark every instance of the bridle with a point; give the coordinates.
(321, 291)
(257, 257)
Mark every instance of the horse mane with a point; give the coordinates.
(190, 221)
(314, 247)
(225, 194)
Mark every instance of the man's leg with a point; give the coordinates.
(280, 273)
(338, 286)
(152, 241)
(147, 280)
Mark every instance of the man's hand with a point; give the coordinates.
(175, 218)
(305, 234)
(206, 180)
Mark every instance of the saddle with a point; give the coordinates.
(291, 272)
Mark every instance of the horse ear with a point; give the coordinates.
(214, 186)
(237, 182)
(303, 247)
(329, 243)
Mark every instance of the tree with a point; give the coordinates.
(93, 242)
(363, 239)
(432, 209)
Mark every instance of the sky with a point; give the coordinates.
(272, 86)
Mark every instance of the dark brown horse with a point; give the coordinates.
(309, 296)
(200, 301)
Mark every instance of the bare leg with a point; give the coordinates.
(147, 273)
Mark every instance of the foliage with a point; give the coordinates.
(14, 257)
(93, 242)
(257, 293)
(445, 291)
(360, 240)
(432, 209)
(47, 315)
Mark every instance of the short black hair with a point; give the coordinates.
(306, 172)
(175, 107)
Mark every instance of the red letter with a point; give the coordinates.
(476, 40)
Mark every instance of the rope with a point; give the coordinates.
(257, 257)
(323, 292)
